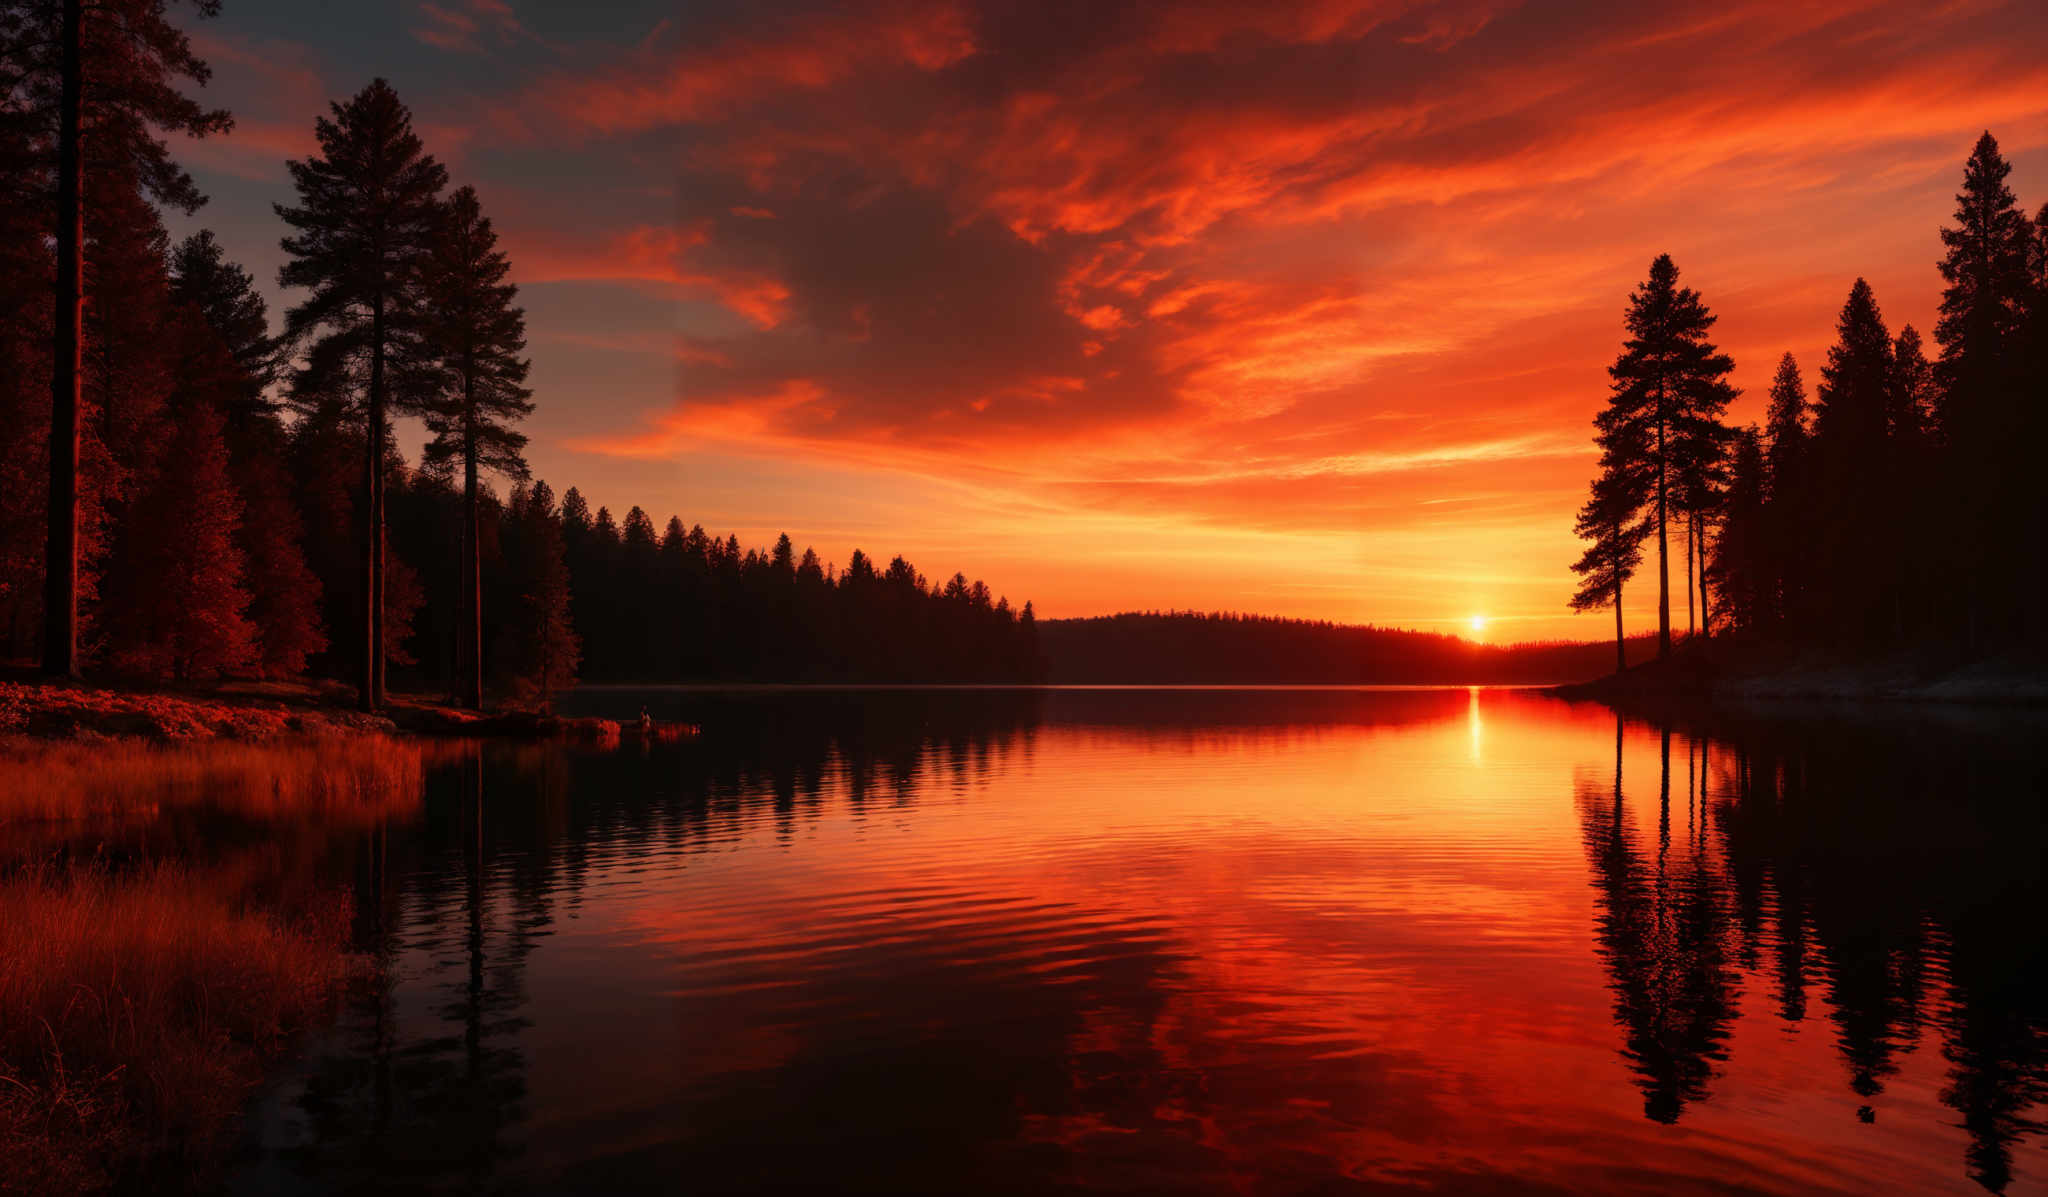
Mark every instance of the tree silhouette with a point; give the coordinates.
(539, 652)
(1668, 392)
(473, 336)
(1610, 521)
(1857, 506)
(1787, 489)
(226, 299)
(1910, 463)
(134, 60)
(367, 212)
(1742, 558)
(1986, 414)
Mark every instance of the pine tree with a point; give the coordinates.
(1701, 474)
(637, 537)
(1914, 396)
(226, 360)
(1910, 465)
(473, 336)
(1989, 425)
(1669, 388)
(368, 207)
(1742, 560)
(284, 593)
(1611, 519)
(125, 379)
(178, 609)
(227, 302)
(1788, 491)
(539, 655)
(106, 73)
(1855, 516)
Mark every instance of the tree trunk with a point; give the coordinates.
(1691, 523)
(1706, 612)
(370, 693)
(1620, 652)
(472, 587)
(1663, 556)
(60, 557)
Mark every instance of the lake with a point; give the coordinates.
(1189, 941)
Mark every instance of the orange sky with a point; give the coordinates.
(1301, 309)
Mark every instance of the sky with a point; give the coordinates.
(1300, 309)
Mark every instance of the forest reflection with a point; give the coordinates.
(895, 941)
(1895, 864)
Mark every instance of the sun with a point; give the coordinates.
(1478, 625)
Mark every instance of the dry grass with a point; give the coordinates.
(140, 1003)
(354, 779)
(137, 1011)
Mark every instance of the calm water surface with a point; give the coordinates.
(1145, 941)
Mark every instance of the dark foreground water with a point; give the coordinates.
(1254, 941)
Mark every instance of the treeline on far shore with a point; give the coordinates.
(1195, 648)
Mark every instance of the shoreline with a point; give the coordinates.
(1689, 678)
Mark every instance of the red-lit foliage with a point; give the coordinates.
(178, 607)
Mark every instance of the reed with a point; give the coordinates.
(137, 1011)
(358, 778)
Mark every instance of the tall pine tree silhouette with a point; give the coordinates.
(1986, 414)
(1854, 517)
(368, 208)
(104, 75)
(1787, 491)
(1669, 387)
(473, 336)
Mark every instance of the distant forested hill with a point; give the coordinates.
(1189, 648)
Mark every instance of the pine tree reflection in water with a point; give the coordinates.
(1194, 941)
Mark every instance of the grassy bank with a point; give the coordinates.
(137, 1011)
(57, 711)
(61, 711)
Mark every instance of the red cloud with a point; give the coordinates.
(654, 256)
(664, 84)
